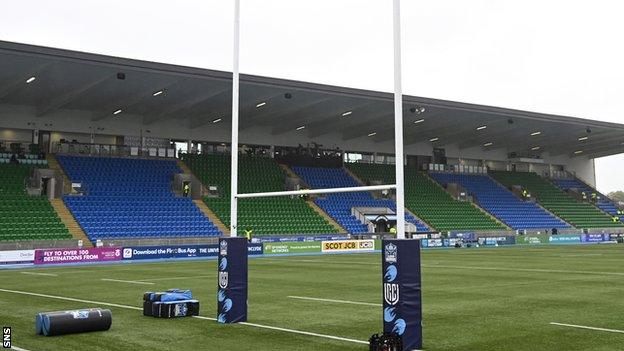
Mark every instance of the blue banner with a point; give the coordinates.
(594, 238)
(232, 280)
(179, 251)
(498, 240)
(402, 293)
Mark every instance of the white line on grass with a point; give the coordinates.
(335, 301)
(176, 278)
(293, 331)
(127, 281)
(36, 273)
(13, 347)
(588, 328)
(534, 270)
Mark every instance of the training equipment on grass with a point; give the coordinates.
(402, 293)
(170, 304)
(385, 342)
(70, 322)
(232, 280)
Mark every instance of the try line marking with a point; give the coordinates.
(46, 274)
(13, 347)
(335, 301)
(293, 331)
(588, 328)
(127, 281)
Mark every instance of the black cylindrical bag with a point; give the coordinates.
(78, 321)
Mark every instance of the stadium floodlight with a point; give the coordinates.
(578, 152)
(535, 148)
(371, 134)
(217, 120)
(481, 127)
(116, 112)
(300, 128)
(536, 133)
(260, 104)
(419, 121)
(344, 114)
(583, 138)
(31, 79)
(434, 139)
(489, 143)
(158, 93)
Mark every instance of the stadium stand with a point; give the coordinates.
(502, 203)
(429, 201)
(131, 198)
(603, 203)
(580, 215)
(24, 217)
(264, 216)
(339, 206)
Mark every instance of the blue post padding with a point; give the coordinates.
(402, 293)
(45, 325)
(232, 280)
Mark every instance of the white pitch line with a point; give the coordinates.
(176, 278)
(13, 347)
(71, 299)
(293, 331)
(534, 270)
(127, 281)
(335, 301)
(36, 273)
(588, 328)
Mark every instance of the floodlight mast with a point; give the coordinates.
(234, 151)
(398, 123)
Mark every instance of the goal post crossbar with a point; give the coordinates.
(316, 191)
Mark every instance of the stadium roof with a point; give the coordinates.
(70, 80)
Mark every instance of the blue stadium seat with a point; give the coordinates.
(131, 198)
(502, 203)
(604, 203)
(339, 206)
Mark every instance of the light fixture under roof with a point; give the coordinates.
(346, 113)
(372, 134)
(536, 133)
(578, 152)
(217, 120)
(260, 104)
(481, 127)
(117, 112)
(535, 148)
(30, 80)
(156, 93)
(301, 127)
(489, 143)
(419, 121)
(434, 139)
(583, 138)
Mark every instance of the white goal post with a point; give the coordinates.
(398, 135)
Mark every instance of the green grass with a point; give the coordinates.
(474, 299)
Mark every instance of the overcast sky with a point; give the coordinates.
(556, 56)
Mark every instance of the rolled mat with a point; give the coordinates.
(69, 322)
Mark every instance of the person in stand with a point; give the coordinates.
(615, 219)
(594, 197)
(248, 234)
(393, 230)
(525, 194)
(584, 196)
(186, 189)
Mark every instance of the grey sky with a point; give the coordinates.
(555, 56)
